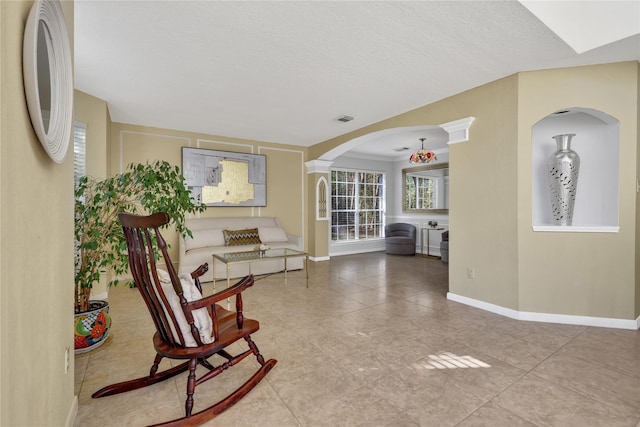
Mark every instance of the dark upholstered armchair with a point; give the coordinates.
(400, 239)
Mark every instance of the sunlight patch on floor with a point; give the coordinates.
(451, 361)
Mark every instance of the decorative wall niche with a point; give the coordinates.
(322, 197)
(597, 141)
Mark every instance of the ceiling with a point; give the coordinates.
(285, 71)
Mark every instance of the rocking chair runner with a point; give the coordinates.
(176, 339)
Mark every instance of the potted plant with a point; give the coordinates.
(100, 243)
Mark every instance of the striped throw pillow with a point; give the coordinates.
(248, 236)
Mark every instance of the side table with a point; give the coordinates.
(428, 230)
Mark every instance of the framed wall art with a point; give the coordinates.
(225, 178)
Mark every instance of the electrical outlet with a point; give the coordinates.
(66, 360)
(471, 272)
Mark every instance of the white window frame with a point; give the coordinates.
(357, 211)
(79, 150)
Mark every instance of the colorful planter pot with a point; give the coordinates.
(91, 327)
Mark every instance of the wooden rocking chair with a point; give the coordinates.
(181, 330)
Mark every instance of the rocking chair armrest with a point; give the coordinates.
(236, 289)
(198, 272)
(210, 303)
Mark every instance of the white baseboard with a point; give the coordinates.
(355, 251)
(546, 317)
(319, 258)
(73, 412)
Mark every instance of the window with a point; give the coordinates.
(357, 205)
(79, 167)
(79, 151)
(421, 192)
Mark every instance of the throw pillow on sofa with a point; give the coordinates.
(247, 236)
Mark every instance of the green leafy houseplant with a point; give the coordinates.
(141, 189)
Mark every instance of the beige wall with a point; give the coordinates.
(483, 192)
(286, 174)
(587, 274)
(286, 180)
(36, 251)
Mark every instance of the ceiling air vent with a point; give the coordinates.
(345, 119)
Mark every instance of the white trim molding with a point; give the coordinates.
(201, 141)
(565, 319)
(318, 166)
(121, 141)
(458, 130)
(576, 229)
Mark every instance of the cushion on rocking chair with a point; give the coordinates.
(201, 317)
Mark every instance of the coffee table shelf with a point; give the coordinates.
(231, 258)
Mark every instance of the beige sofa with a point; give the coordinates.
(209, 238)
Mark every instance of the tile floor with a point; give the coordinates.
(368, 344)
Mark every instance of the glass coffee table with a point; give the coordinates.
(231, 258)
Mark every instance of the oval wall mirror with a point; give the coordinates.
(48, 81)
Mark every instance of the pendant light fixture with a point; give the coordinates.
(422, 155)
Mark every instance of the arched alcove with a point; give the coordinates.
(596, 141)
(388, 151)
